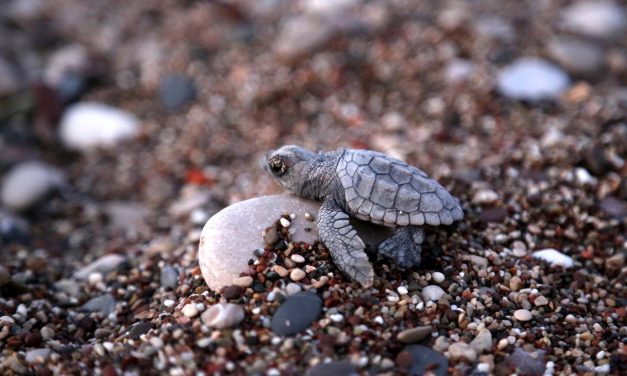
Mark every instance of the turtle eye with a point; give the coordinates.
(277, 167)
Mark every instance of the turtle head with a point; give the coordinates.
(288, 166)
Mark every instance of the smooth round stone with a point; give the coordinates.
(37, 355)
(175, 91)
(89, 125)
(339, 368)
(554, 257)
(523, 315)
(169, 278)
(576, 55)
(296, 314)
(414, 335)
(223, 315)
(432, 293)
(596, 18)
(438, 277)
(104, 265)
(300, 36)
(482, 342)
(27, 183)
(462, 350)
(297, 274)
(420, 359)
(229, 237)
(532, 79)
(104, 304)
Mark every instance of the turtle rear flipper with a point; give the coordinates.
(404, 246)
(346, 247)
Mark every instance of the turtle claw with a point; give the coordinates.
(403, 247)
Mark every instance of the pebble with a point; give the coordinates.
(37, 355)
(89, 125)
(223, 257)
(414, 335)
(523, 315)
(432, 293)
(458, 70)
(223, 315)
(292, 289)
(5, 276)
(438, 277)
(175, 91)
(576, 55)
(296, 313)
(482, 342)
(519, 249)
(300, 36)
(485, 196)
(281, 271)
(232, 292)
(532, 79)
(462, 350)
(337, 368)
(297, 258)
(526, 363)
(541, 301)
(104, 265)
(515, 283)
(139, 329)
(104, 304)
(244, 281)
(554, 257)
(421, 359)
(189, 310)
(297, 274)
(169, 277)
(601, 19)
(285, 222)
(27, 183)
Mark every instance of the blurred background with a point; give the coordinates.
(125, 124)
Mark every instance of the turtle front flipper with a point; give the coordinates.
(346, 247)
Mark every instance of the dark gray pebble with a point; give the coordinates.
(339, 368)
(169, 277)
(296, 313)
(104, 304)
(138, 329)
(175, 91)
(423, 359)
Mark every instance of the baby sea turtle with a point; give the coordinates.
(370, 186)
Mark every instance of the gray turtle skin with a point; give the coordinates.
(370, 186)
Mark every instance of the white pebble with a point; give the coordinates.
(337, 317)
(402, 290)
(168, 302)
(523, 315)
(297, 274)
(432, 292)
(292, 288)
(27, 183)
(554, 257)
(297, 258)
(223, 315)
(285, 222)
(438, 277)
(189, 310)
(89, 125)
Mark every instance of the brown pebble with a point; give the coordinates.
(404, 359)
(515, 283)
(232, 292)
(414, 335)
(280, 270)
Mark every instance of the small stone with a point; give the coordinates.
(296, 313)
(612, 263)
(523, 315)
(271, 236)
(482, 342)
(297, 258)
(458, 70)
(402, 290)
(169, 278)
(300, 36)
(576, 55)
(432, 293)
(5, 276)
(532, 79)
(37, 355)
(554, 257)
(104, 265)
(602, 19)
(297, 274)
(281, 271)
(243, 281)
(485, 196)
(515, 283)
(614, 207)
(176, 91)
(309, 217)
(461, 350)
(540, 301)
(27, 183)
(493, 215)
(89, 125)
(526, 363)
(292, 289)
(285, 222)
(343, 368)
(232, 292)
(414, 335)
(190, 310)
(104, 304)
(421, 359)
(139, 329)
(438, 277)
(223, 315)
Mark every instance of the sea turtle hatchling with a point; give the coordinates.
(370, 186)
